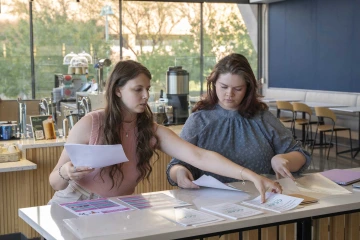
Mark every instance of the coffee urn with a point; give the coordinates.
(177, 92)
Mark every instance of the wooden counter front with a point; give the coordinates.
(31, 188)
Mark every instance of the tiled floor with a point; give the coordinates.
(320, 163)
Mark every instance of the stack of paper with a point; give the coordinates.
(188, 216)
(317, 183)
(307, 199)
(93, 207)
(153, 200)
(275, 202)
(231, 210)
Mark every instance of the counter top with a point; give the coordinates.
(31, 143)
(21, 165)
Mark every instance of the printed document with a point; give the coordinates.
(188, 216)
(95, 156)
(232, 210)
(95, 206)
(209, 181)
(275, 202)
(152, 200)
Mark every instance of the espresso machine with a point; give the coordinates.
(177, 92)
(92, 100)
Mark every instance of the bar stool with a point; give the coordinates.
(305, 120)
(283, 106)
(323, 113)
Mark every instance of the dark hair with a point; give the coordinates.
(122, 73)
(235, 64)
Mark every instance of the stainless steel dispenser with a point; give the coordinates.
(99, 73)
(177, 92)
(47, 107)
(83, 106)
(22, 117)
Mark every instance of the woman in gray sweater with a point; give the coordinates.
(233, 122)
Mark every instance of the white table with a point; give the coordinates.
(323, 104)
(274, 100)
(351, 110)
(48, 220)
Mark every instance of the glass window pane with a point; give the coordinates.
(15, 71)
(229, 28)
(163, 34)
(69, 26)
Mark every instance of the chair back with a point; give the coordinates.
(282, 105)
(325, 113)
(301, 107)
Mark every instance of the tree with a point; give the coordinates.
(152, 31)
(57, 31)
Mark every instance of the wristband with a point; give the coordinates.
(62, 175)
(241, 171)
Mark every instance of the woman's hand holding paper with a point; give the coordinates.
(185, 178)
(76, 173)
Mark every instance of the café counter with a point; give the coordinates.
(26, 183)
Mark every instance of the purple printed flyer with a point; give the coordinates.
(95, 206)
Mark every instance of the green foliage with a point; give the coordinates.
(58, 30)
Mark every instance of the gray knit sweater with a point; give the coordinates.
(249, 142)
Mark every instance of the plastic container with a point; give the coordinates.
(49, 128)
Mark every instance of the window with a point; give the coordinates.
(157, 34)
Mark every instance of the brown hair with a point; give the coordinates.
(235, 64)
(122, 73)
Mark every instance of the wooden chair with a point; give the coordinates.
(283, 106)
(323, 113)
(304, 120)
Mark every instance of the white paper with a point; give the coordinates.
(152, 200)
(275, 202)
(94, 207)
(209, 181)
(95, 156)
(188, 216)
(288, 185)
(319, 184)
(231, 210)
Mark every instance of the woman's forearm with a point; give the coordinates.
(56, 182)
(226, 167)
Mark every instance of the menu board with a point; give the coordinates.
(38, 126)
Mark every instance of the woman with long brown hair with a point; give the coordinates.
(232, 121)
(128, 120)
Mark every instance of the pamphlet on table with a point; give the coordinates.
(342, 176)
(211, 182)
(317, 183)
(188, 216)
(153, 200)
(95, 156)
(275, 202)
(95, 206)
(232, 210)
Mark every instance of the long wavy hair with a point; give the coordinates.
(235, 64)
(114, 116)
